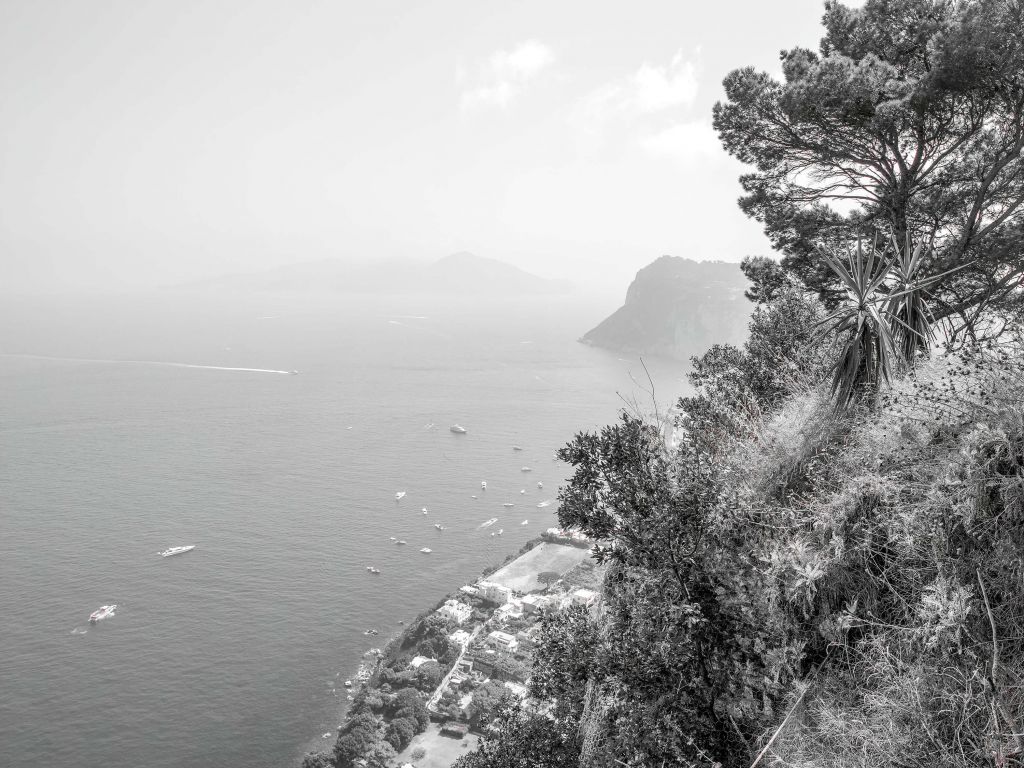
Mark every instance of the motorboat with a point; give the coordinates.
(525, 522)
(487, 523)
(501, 531)
(399, 495)
(525, 469)
(101, 613)
(400, 541)
(439, 526)
(483, 485)
(348, 683)
(543, 504)
(293, 373)
(540, 484)
(508, 504)
(372, 570)
(171, 551)
(516, 448)
(522, 490)
(424, 510)
(426, 550)
(456, 429)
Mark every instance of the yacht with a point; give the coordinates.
(486, 523)
(101, 613)
(426, 550)
(508, 504)
(540, 485)
(400, 541)
(525, 469)
(439, 526)
(483, 485)
(169, 552)
(373, 570)
(399, 495)
(525, 522)
(456, 429)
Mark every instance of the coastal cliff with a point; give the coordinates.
(677, 307)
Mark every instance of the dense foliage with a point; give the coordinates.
(908, 120)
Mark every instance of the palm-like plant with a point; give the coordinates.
(869, 353)
(907, 306)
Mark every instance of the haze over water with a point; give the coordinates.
(234, 654)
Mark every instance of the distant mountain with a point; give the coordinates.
(677, 308)
(460, 273)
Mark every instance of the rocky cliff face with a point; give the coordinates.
(676, 307)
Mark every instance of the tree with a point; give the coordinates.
(317, 760)
(547, 578)
(909, 120)
(488, 698)
(356, 738)
(767, 278)
(399, 732)
(381, 755)
(409, 704)
(520, 739)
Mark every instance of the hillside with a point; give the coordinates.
(677, 307)
(458, 274)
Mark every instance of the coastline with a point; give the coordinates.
(366, 676)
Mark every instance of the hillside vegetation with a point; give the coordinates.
(818, 559)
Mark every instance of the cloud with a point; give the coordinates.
(651, 89)
(684, 142)
(502, 78)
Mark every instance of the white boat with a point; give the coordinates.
(523, 490)
(439, 526)
(483, 485)
(487, 523)
(348, 683)
(525, 522)
(525, 469)
(508, 504)
(399, 495)
(501, 531)
(171, 551)
(101, 613)
(543, 504)
(540, 485)
(400, 542)
(424, 510)
(456, 429)
(516, 448)
(373, 570)
(426, 550)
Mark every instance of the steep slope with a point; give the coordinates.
(677, 307)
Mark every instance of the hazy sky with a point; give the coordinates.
(150, 142)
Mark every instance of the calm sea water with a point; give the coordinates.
(234, 654)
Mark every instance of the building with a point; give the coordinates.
(459, 637)
(511, 609)
(456, 611)
(518, 689)
(584, 597)
(468, 590)
(495, 593)
(502, 641)
(419, 661)
(526, 640)
(533, 603)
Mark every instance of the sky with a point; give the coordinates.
(145, 143)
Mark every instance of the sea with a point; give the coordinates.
(132, 424)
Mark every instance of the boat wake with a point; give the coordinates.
(79, 631)
(487, 523)
(148, 362)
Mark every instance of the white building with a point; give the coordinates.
(496, 593)
(533, 603)
(511, 609)
(584, 597)
(456, 611)
(459, 637)
(419, 661)
(502, 641)
(469, 590)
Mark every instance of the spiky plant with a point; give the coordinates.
(910, 319)
(862, 324)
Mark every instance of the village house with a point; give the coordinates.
(534, 603)
(502, 641)
(456, 611)
(495, 593)
(584, 597)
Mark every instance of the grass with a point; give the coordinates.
(441, 751)
(521, 573)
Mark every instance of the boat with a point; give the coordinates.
(439, 526)
(516, 448)
(171, 551)
(370, 632)
(293, 373)
(483, 485)
(426, 550)
(424, 510)
(508, 504)
(348, 683)
(525, 469)
(525, 522)
(400, 541)
(501, 531)
(523, 490)
(540, 485)
(543, 504)
(486, 523)
(456, 429)
(399, 495)
(101, 613)
(373, 570)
